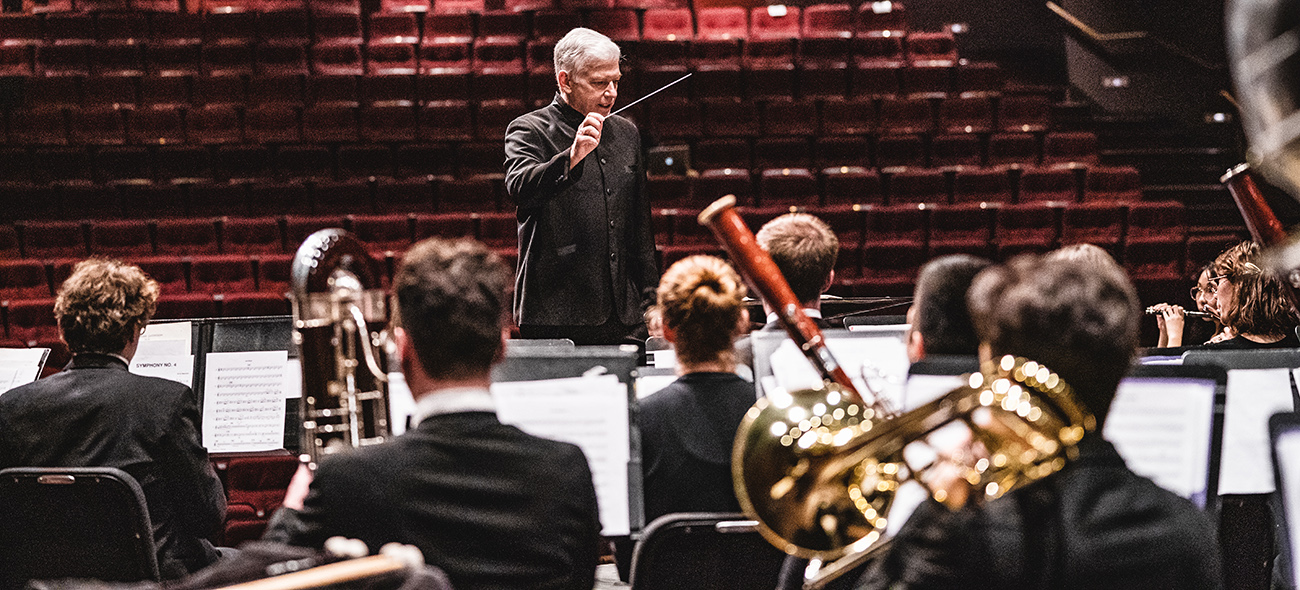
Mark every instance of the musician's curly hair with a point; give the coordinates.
(1262, 307)
(701, 299)
(805, 248)
(104, 304)
(1078, 318)
(452, 302)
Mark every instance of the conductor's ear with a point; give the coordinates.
(564, 81)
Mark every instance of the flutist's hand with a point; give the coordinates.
(587, 138)
(1170, 321)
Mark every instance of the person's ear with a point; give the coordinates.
(505, 340)
(986, 352)
(830, 280)
(670, 334)
(405, 349)
(915, 345)
(564, 81)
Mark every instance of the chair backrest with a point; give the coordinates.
(704, 550)
(73, 522)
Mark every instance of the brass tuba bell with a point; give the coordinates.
(339, 317)
(820, 471)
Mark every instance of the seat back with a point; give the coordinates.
(704, 550)
(73, 522)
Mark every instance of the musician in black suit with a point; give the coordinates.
(804, 248)
(490, 505)
(96, 414)
(939, 321)
(1094, 524)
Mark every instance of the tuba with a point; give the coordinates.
(339, 318)
(819, 469)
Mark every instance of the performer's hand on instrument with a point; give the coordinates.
(298, 487)
(587, 138)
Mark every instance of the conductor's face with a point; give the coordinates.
(592, 90)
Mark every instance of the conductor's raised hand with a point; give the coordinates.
(587, 138)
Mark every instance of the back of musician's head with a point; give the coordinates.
(1258, 301)
(1080, 319)
(701, 300)
(804, 249)
(941, 316)
(452, 303)
(582, 48)
(104, 304)
(1086, 253)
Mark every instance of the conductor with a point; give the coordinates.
(586, 269)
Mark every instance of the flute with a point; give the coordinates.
(1189, 313)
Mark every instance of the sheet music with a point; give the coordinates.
(1253, 396)
(166, 339)
(20, 366)
(178, 368)
(243, 405)
(165, 352)
(651, 384)
(591, 412)
(887, 355)
(1288, 457)
(1161, 427)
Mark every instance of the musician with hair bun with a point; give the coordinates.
(1251, 303)
(688, 427)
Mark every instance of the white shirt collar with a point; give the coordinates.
(452, 400)
(812, 313)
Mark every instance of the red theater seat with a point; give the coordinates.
(254, 235)
(975, 185)
(447, 225)
(1048, 184)
(32, 319)
(1113, 183)
(186, 306)
(125, 238)
(1030, 227)
(190, 236)
(965, 228)
(1101, 224)
(273, 272)
(23, 279)
(248, 305)
(217, 273)
(54, 239)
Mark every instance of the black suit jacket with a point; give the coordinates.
(687, 430)
(96, 414)
(1094, 525)
(491, 505)
(586, 247)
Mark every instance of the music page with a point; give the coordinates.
(1253, 396)
(20, 366)
(590, 412)
(1161, 427)
(164, 352)
(243, 401)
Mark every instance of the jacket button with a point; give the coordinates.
(612, 255)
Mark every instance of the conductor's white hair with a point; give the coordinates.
(582, 48)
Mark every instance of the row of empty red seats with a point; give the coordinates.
(31, 321)
(281, 21)
(188, 164)
(247, 239)
(855, 185)
(670, 119)
(840, 185)
(1141, 234)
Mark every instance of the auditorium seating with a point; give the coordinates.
(234, 130)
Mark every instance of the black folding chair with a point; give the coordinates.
(706, 551)
(73, 522)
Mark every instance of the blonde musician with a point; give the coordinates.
(1250, 302)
